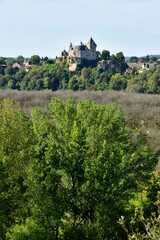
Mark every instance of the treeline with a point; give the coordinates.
(72, 171)
(146, 59)
(57, 76)
(108, 74)
(146, 82)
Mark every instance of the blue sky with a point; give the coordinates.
(46, 27)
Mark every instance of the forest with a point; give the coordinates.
(56, 76)
(76, 170)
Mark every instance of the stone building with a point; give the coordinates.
(2, 68)
(16, 65)
(80, 53)
(26, 66)
(64, 55)
(146, 66)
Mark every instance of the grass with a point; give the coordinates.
(141, 110)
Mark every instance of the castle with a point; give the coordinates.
(79, 54)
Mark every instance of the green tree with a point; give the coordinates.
(2, 61)
(113, 59)
(10, 61)
(73, 84)
(147, 58)
(84, 172)
(105, 55)
(47, 82)
(118, 82)
(121, 61)
(98, 55)
(20, 75)
(16, 140)
(35, 60)
(85, 74)
(54, 84)
(145, 223)
(153, 59)
(3, 81)
(11, 84)
(27, 231)
(45, 58)
(134, 59)
(10, 70)
(20, 59)
(153, 83)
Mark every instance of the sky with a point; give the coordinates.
(47, 27)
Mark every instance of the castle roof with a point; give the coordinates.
(80, 47)
(91, 42)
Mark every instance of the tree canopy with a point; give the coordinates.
(69, 171)
(105, 55)
(35, 59)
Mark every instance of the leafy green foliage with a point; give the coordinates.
(121, 60)
(146, 225)
(20, 59)
(15, 151)
(35, 59)
(88, 160)
(118, 82)
(105, 55)
(2, 61)
(69, 171)
(27, 231)
(56, 76)
(133, 59)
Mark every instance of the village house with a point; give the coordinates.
(139, 67)
(2, 68)
(146, 66)
(41, 63)
(16, 65)
(130, 70)
(26, 66)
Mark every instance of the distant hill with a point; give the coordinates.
(152, 55)
(127, 58)
(158, 56)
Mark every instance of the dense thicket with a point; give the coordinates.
(70, 172)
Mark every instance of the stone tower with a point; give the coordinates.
(91, 44)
